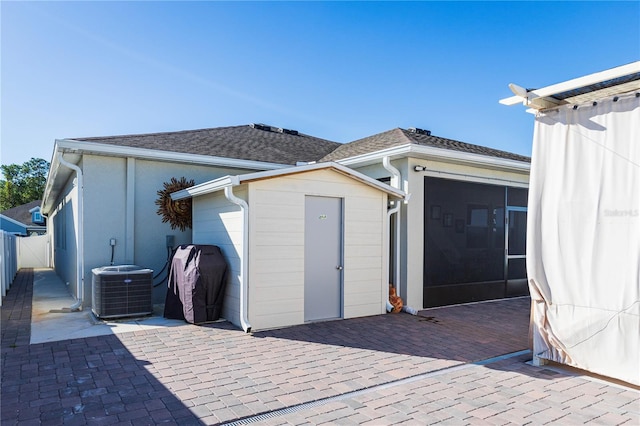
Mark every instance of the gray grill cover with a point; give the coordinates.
(197, 281)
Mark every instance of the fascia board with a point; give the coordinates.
(376, 156)
(15, 222)
(204, 188)
(470, 158)
(79, 148)
(221, 183)
(353, 174)
(152, 154)
(47, 197)
(367, 180)
(437, 153)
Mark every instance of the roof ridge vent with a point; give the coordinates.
(261, 126)
(287, 131)
(419, 131)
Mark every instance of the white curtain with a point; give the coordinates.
(583, 245)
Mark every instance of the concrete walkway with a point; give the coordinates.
(51, 319)
(456, 365)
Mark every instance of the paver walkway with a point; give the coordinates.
(385, 369)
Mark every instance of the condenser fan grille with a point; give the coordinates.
(122, 291)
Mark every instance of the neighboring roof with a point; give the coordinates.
(226, 181)
(256, 142)
(22, 213)
(401, 137)
(611, 82)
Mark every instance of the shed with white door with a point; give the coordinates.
(307, 243)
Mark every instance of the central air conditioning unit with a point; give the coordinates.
(122, 291)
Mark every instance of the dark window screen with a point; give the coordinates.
(464, 232)
(518, 197)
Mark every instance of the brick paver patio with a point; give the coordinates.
(369, 369)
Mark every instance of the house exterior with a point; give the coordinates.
(451, 232)
(446, 239)
(584, 223)
(101, 191)
(24, 220)
(304, 243)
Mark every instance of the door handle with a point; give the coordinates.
(339, 268)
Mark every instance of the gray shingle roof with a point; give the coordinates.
(21, 213)
(239, 142)
(398, 137)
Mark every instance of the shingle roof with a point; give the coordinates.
(247, 142)
(21, 213)
(398, 137)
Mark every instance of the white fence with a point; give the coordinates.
(8, 261)
(33, 251)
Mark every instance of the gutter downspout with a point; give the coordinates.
(79, 234)
(244, 264)
(395, 183)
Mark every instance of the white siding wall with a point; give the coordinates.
(62, 226)
(276, 278)
(218, 222)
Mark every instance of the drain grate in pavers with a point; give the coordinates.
(312, 404)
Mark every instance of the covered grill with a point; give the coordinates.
(196, 285)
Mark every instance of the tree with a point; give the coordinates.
(23, 183)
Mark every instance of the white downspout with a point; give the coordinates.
(244, 264)
(79, 234)
(395, 183)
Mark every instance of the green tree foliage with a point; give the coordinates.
(22, 183)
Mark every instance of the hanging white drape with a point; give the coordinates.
(583, 245)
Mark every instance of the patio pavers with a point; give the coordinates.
(216, 373)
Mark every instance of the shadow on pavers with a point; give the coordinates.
(465, 333)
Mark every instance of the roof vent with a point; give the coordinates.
(288, 131)
(419, 131)
(260, 126)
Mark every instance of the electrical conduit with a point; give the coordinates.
(79, 234)
(244, 264)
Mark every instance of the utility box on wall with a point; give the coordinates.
(121, 291)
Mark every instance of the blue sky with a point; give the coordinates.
(336, 70)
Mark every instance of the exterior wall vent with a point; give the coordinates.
(288, 131)
(260, 126)
(419, 131)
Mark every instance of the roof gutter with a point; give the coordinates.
(153, 154)
(395, 182)
(244, 262)
(79, 234)
(443, 154)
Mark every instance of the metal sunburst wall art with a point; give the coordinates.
(177, 213)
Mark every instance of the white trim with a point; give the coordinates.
(575, 83)
(204, 188)
(226, 181)
(475, 178)
(448, 155)
(153, 154)
(129, 227)
(72, 146)
(15, 222)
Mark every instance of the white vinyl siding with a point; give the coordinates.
(276, 241)
(218, 222)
